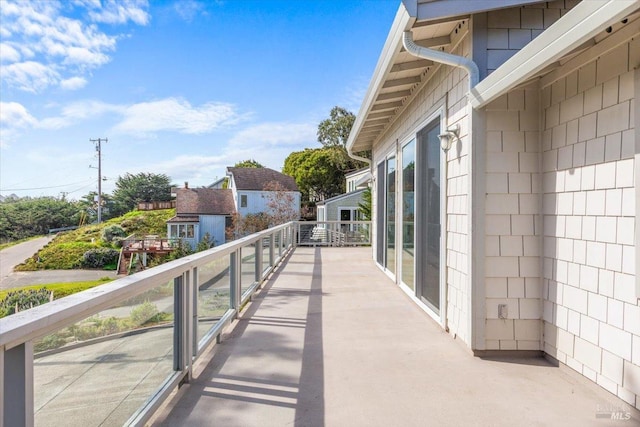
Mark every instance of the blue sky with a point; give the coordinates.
(183, 88)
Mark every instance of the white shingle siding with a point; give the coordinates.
(512, 204)
(588, 175)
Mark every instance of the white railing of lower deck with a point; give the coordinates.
(260, 253)
(333, 233)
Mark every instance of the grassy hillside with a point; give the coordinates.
(67, 249)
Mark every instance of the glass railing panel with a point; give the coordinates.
(247, 267)
(101, 370)
(277, 245)
(214, 294)
(266, 244)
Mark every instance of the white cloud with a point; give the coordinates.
(8, 53)
(73, 83)
(13, 117)
(42, 47)
(189, 9)
(174, 114)
(275, 134)
(29, 76)
(79, 111)
(120, 12)
(143, 119)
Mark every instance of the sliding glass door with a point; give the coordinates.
(428, 218)
(386, 214)
(408, 214)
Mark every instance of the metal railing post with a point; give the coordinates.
(181, 319)
(272, 249)
(189, 280)
(17, 395)
(194, 313)
(234, 281)
(258, 260)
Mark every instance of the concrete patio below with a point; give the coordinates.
(330, 340)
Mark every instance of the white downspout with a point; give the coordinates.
(442, 57)
(356, 157)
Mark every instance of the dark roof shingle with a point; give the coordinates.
(256, 178)
(204, 201)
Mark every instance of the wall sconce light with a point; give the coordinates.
(449, 136)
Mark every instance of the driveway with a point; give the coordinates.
(14, 255)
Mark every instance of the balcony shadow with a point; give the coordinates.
(230, 378)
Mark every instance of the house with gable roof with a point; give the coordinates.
(251, 188)
(511, 126)
(210, 210)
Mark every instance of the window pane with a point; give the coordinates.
(408, 192)
(391, 214)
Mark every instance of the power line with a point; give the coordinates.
(44, 188)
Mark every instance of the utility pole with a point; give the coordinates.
(98, 142)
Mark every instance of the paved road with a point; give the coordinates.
(14, 255)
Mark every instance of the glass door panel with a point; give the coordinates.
(428, 218)
(391, 215)
(408, 213)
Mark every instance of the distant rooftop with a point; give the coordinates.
(256, 178)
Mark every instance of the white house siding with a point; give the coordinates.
(258, 201)
(332, 208)
(509, 30)
(446, 88)
(215, 226)
(591, 311)
(512, 222)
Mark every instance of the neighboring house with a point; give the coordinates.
(340, 208)
(524, 163)
(210, 210)
(218, 183)
(357, 179)
(344, 207)
(249, 193)
(200, 211)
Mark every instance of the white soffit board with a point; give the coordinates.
(438, 9)
(577, 26)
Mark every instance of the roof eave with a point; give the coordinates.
(580, 24)
(401, 22)
(448, 9)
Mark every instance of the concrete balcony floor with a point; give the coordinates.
(330, 340)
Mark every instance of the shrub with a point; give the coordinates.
(143, 313)
(23, 300)
(205, 243)
(118, 241)
(49, 342)
(99, 258)
(112, 231)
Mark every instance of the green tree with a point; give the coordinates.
(316, 173)
(89, 203)
(248, 164)
(334, 131)
(142, 187)
(27, 217)
(364, 207)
